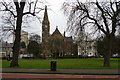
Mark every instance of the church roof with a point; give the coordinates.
(68, 39)
(57, 32)
(5, 44)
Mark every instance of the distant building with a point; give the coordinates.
(56, 44)
(86, 48)
(6, 49)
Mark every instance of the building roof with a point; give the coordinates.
(5, 44)
(57, 33)
(68, 39)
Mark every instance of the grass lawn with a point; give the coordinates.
(92, 63)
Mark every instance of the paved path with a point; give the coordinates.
(64, 71)
(23, 76)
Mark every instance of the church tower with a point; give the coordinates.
(45, 34)
(45, 26)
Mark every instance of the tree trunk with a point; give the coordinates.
(14, 62)
(107, 55)
(16, 45)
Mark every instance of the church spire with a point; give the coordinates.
(45, 19)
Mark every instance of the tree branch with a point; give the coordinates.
(82, 19)
(6, 9)
(103, 16)
(35, 5)
(106, 11)
(83, 8)
(112, 7)
(29, 13)
(16, 5)
(114, 19)
(22, 4)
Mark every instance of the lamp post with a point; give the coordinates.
(6, 47)
(8, 54)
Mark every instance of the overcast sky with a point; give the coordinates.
(56, 18)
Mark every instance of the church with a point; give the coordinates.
(56, 44)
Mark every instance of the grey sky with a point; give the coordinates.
(56, 18)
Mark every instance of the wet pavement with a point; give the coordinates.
(64, 71)
(59, 74)
(24, 76)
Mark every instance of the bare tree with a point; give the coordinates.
(35, 37)
(97, 16)
(14, 12)
(119, 31)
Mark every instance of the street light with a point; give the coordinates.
(8, 54)
(6, 47)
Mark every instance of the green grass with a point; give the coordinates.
(93, 63)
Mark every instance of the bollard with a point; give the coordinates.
(53, 65)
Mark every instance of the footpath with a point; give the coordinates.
(59, 74)
(63, 71)
(24, 76)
